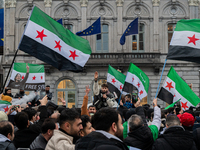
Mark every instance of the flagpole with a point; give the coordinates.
(9, 71)
(161, 77)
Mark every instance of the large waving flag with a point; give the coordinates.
(95, 28)
(185, 43)
(4, 106)
(47, 40)
(174, 88)
(136, 79)
(115, 81)
(34, 79)
(130, 30)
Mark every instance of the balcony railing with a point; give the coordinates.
(123, 58)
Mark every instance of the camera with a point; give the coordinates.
(14, 107)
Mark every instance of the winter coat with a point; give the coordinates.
(175, 138)
(6, 144)
(60, 141)
(100, 140)
(39, 143)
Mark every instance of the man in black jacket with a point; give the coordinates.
(27, 133)
(175, 137)
(6, 136)
(47, 132)
(108, 134)
(142, 136)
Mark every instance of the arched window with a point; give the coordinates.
(138, 40)
(69, 27)
(170, 29)
(66, 89)
(102, 43)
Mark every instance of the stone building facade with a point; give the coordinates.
(147, 50)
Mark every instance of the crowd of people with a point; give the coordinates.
(103, 125)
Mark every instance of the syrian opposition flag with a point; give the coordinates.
(32, 80)
(4, 106)
(136, 79)
(174, 88)
(47, 40)
(115, 81)
(185, 43)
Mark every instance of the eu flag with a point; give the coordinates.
(95, 28)
(1, 26)
(131, 29)
(60, 21)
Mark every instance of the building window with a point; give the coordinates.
(138, 40)
(69, 27)
(171, 28)
(66, 89)
(102, 40)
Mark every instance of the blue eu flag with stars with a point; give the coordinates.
(95, 28)
(131, 29)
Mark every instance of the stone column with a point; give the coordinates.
(156, 24)
(119, 24)
(83, 14)
(47, 4)
(193, 4)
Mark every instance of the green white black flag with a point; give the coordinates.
(21, 78)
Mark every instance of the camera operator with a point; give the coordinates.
(102, 98)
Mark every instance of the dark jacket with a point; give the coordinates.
(100, 141)
(141, 138)
(196, 135)
(23, 138)
(39, 143)
(175, 138)
(7, 145)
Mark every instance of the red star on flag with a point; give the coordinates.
(169, 85)
(73, 54)
(41, 77)
(141, 92)
(113, 81)
(174, 95)
(22, 77)
(138, 84)
(193, 39)
(58, 45)
(120, 87)
(132, 79)
(41, 34)
(184, 105)
(34, 78)
(6, 109)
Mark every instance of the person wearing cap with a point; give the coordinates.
(175, 137)
(187, 120)
(8, 92)
(3, 116)
(48, 93)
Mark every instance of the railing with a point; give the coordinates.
(124, 55)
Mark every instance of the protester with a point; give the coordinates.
(91, 109)
(87, 126)
(47, 129)
(48, 93)
(102, 97)
(174, 137)
(109, 132)
(32, 114)
(187, 120)
(8, 92)
(128, 104)
(6, 135)
(141, 135)
(28, 132)
(3, 116)
(70, 126)
(20, 94)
